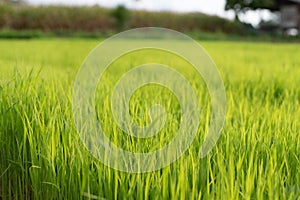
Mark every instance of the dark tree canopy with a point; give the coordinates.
(239, 6)
(251, 4)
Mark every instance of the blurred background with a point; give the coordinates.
(215, 19)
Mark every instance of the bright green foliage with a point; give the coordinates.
(256, 157)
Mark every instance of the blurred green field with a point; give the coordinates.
(256, 157)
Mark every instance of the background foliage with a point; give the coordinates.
(98, 19)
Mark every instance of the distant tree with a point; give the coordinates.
(240, 6)
(121, 15)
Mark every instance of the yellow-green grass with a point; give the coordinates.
(256, 157)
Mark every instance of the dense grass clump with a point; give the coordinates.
(256, 157)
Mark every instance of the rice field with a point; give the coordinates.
(256, 157)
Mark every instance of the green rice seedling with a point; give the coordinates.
(256, 157)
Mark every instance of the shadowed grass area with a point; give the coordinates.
(256, 157)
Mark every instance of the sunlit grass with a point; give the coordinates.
(256, 157)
